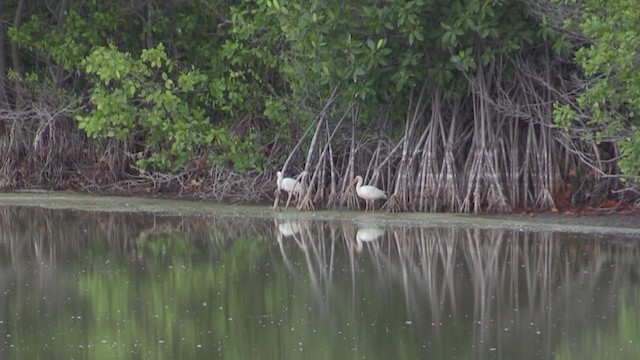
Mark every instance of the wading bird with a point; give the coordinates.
(369, 193)
(289, 185)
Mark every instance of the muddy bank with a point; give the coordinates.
(628, 223)
(623, 220)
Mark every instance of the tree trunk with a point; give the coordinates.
(3, 63)
(148, 26)
(15, 54)
(58, 70)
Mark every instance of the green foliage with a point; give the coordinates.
(272, 61)
(564, 116)
(169, 102)
(65, 39)
(358, 48)
(147, 97)
(247, 63)
(630, 149)
(613, 101)
(377, 53)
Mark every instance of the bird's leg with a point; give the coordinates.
(276, 200)
(289, 198)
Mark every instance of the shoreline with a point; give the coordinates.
(623, 223)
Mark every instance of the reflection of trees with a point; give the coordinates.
(55, 236)
(318, 248)
(104, 284)
(333, 286)
(528, 289)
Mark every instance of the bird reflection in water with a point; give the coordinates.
(288, 228)
(367, 234)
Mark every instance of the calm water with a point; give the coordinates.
(131, 286)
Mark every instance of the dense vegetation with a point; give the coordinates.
(464, 105)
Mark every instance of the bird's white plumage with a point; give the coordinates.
(288, 184)
(368, 192)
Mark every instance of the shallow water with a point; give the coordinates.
(81, 284)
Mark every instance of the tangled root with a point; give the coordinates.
(394, 203)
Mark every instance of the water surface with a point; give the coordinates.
(104, 285)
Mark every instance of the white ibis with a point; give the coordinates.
(369, 193)
(289, 185)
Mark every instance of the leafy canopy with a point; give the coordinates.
(612, 103)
